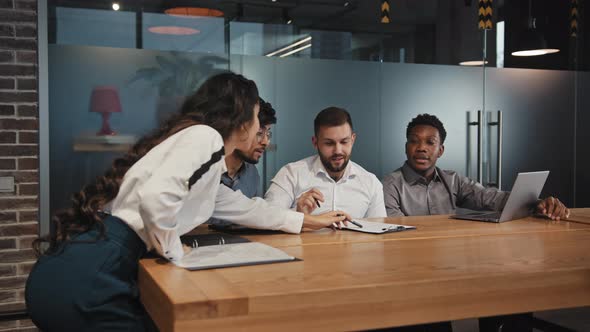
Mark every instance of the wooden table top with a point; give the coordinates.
(580, 215)
(446, 269)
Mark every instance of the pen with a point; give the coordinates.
(317, 202)
(356, 223)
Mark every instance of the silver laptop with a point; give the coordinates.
(524, 194)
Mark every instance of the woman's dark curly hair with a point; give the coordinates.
(224, 102)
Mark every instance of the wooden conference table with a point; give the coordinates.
(444, 270)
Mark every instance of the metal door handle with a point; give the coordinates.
(499, 124)
(478, 123)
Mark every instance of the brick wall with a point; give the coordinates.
(18, 151)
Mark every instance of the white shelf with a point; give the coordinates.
(96, 143)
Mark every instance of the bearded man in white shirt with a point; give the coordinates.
(329, 180)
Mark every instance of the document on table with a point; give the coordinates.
(234, 254)
(376, 227)
(210, 239)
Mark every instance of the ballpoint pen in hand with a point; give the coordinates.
(356, 223)
(317, 202)
(353, 222)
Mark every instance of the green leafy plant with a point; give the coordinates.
(178, 74)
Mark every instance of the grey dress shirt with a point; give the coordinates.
(407, 193)
(246, 180)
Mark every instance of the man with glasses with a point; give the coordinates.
(241, 170)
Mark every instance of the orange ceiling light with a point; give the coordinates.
(193, 11)
(173, 30)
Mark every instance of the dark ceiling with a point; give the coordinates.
(435, 25)
(344, 15)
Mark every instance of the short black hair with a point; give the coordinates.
(266, 116)
(428, 120)
(331, 117)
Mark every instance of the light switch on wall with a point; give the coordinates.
(6, 184)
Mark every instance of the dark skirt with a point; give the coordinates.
(90, 284)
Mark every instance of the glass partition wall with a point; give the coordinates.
(128, 65)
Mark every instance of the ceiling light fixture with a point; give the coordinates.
(472, 46)
(532, 42)
(535, 52)
(116, 6)
(173, 30)
(286, 17)
(299, 42)
(193, 11)
(473, 63)
(295, 50)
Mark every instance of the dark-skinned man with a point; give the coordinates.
(420, 188)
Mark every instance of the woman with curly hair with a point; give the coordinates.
(165, 186)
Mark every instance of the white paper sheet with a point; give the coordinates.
(235, 254)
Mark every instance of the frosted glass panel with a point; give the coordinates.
(382, 99)
(546, 113)
(445, 91)
(538, 109)
(246, 38)
(304, 87)
(144, 102)
(76, 26)
(300, 88)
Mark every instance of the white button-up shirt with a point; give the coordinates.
(358, 192)
(157, 203)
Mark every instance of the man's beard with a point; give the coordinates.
(242, 156)
(328, 166)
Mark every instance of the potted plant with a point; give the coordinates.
(176, 76)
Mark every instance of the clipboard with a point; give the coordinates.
(376, 227)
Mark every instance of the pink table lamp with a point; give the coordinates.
(105, 100)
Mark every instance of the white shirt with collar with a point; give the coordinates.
(358, 192)
(157, 203)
